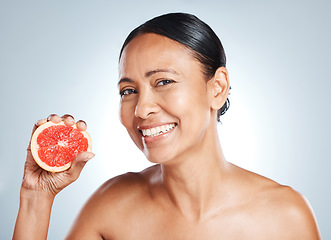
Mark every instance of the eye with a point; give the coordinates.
(164, 82)
(127, 91)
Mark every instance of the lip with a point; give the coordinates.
(154, 125)
(150, 139)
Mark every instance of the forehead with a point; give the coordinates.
(151, 51)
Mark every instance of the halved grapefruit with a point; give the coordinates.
(54, 145)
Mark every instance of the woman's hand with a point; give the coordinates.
(39, 188)
(37, 179)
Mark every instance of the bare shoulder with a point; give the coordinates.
(120, 191)
(284, 210)
(123, 187)
(111, 205)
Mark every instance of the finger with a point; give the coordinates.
(68, 120)
(78, 164)
(54, 118)
(67, 115)
(41, 122)
(37, 124)
(81, 125)
(51, 115)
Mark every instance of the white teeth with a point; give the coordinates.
(152, 132)
(148, 132)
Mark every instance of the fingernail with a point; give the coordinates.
(68, 116)
(51, 115)
(68, 121)
(81, 121)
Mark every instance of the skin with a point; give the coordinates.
(40, 187)
(191, 192)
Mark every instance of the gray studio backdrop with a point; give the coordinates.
(61, 57)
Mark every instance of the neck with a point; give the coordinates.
(194, 183)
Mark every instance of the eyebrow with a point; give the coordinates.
(124, 80)
(148, 74)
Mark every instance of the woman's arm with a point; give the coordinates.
(33, 216)
(40, 187)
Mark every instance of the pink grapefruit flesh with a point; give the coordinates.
(54, 145)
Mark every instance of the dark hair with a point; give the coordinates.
(193, 33)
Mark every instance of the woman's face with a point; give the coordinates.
(164, 102)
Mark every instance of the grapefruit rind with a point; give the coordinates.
(35, 147)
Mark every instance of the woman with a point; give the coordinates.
(173, 86)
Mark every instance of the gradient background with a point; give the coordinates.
(61, 57)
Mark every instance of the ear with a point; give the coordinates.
(218, 88)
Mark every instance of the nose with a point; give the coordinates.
(147, 104)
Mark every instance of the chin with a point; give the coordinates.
(158, 158)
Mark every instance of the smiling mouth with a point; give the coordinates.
(153, 132)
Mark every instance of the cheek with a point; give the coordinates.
(126, 115)
(187, 104)
(127, 119)
(191, 107)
